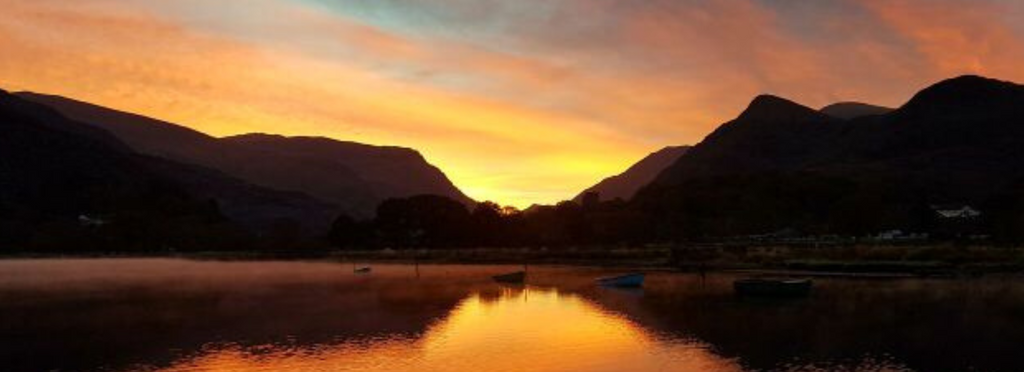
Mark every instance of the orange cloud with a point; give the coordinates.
(958, 38)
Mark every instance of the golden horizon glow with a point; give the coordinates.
(518, 103)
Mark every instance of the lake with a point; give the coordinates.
(126, 315)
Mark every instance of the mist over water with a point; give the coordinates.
(182, 315)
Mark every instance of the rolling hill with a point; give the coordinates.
(853, 110)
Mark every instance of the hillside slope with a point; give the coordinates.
(625, 185)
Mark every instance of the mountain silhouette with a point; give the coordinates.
(779, 166)
(853, 110)
(625, 184)
(56, 166)
(57, 170)
(771, 134)
(782, 165)
(354, 176)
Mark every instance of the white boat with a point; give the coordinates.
(768, 287)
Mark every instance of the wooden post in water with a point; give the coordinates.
(525, 269)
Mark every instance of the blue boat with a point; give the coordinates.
(627, 280)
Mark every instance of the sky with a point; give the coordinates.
(519, 102)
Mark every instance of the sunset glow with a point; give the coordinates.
(520, 102)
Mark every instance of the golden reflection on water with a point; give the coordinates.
(517, 330)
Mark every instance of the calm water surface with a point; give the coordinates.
(179, 315)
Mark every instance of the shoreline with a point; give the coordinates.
(939, 261)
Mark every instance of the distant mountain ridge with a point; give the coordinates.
(853, 110)
(356, 177)
(625, 185)
(783, 165)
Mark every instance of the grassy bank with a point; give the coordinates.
(647, 257)
(922, 260)
(935, 259)
(925, 260)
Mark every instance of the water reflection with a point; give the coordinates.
(516, 329)
(176, 315)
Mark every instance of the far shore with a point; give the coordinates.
(867, 261)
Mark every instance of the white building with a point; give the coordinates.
(961, 211)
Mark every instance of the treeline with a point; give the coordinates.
(723, 210)
(436, 222)
(429, 221)
(142, 231)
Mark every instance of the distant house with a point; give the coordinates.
(87, 221)
(889, 235)
(956, 221)
(956, 211)
(899, 235)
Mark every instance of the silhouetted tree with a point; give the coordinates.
(283, 234)
(422, 221)
(590, 200)
(489, 226)
(347, 232)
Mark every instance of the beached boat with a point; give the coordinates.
(766, 287)
(627, 280)
(516, 277)
(362, 270)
